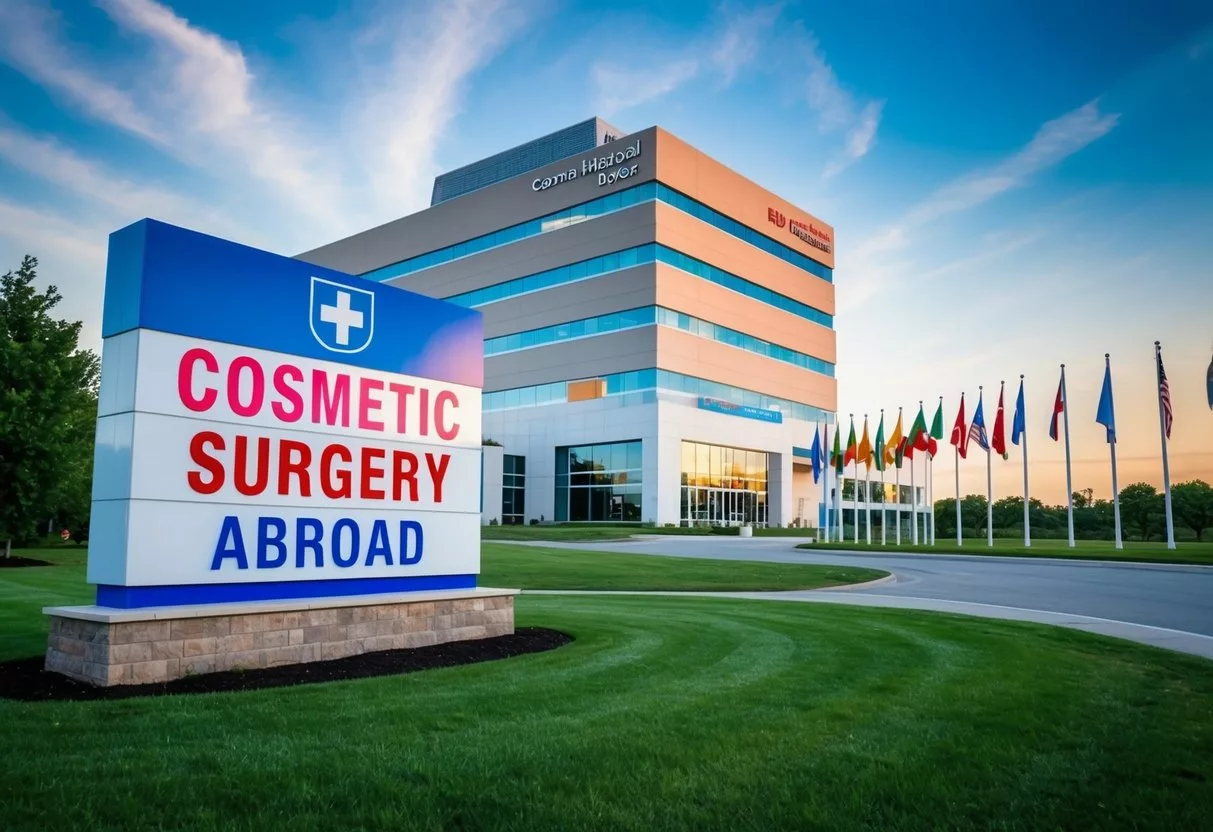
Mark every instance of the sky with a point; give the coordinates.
(1013, 185)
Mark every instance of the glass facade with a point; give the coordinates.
(723, 486)
(648, 316)
(599, 483)
(513, 490)
(625, 259)
(648, 192)
(635, 381)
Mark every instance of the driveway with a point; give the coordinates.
(1172, 600)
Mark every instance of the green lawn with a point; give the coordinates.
(1185, 552)
(673, 713)
(534, 567)
(586, 531)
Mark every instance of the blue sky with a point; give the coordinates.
(1013, 184)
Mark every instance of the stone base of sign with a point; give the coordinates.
(105, 646)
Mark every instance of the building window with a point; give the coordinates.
(603, 205)
(626, 259)
(648, 316)
(723, 486)
(599, 483)
(641, 381)
(513, 490)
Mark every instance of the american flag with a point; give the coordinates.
(1164, 396)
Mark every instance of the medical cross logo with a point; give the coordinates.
(343, 318)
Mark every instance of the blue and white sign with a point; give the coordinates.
(742, 410)
(343, 318)
(269, 429)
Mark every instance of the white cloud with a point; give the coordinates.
(1054, 142)
(37, 231)
(206, 100)
(28, 42)
(621, 89)
(126, 200)
(837, 109)
(412, 97)
(731, 42)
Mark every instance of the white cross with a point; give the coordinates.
(342, 316)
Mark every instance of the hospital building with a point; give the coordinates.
(659, 330)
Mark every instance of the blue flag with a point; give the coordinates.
(1017, 425)
(815, 454)
(1105, 415)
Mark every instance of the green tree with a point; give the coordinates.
(1141, 508)
(1192, 503)
(48, 389)
(973, 513)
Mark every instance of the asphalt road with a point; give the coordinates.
(1171, 597)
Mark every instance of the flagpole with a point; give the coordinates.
(855, 504)
(1115, 489)
(1065, 420)
(1023, 435)
(867, 490)
(989, 491)
(1166, 468)
(913, 490)
(956, 451)
(897, 502)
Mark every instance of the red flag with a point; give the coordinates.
(1059, 405)
(960, 432)
(999, 440)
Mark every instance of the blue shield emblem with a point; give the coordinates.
(342, 317)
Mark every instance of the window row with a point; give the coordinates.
(647, 316)
(647, 253)
(646, 192)
(717, 466)
(556, 392)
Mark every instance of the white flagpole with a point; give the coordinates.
(855, 505)
(867, 493)
(931, 497)
(897, 502)
(1065, 420)
(989, 491)
(1023, 437)
(1166, 467)
(959, 533)
(884, 515)
(1115, 489)
(913, 507)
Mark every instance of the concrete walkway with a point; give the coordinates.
(1178, 640)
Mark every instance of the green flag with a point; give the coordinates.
(879, 449)
(836, 455)
(937, 422)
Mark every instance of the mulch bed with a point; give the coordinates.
(25, 679)
(14, 561)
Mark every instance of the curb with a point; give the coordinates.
(887, 579)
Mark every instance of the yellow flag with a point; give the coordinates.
(865, 447)
(890, 448)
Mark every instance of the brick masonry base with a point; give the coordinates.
(105, 647)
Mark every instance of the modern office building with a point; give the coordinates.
(659, 330)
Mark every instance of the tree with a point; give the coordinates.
(1141, 507)
(48, 389)
(1192, 503)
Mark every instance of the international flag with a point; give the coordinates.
(918, 438)
(959, 431)
(849, 457)
(936, 430)
(977, 430)
(999, 440)
(893, 450)
(1105, 414)
(1017, 424)
(836, 456)
(878, 452)
(1059, 406)
(864, 454)
(815, 454)
(1164, 395)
